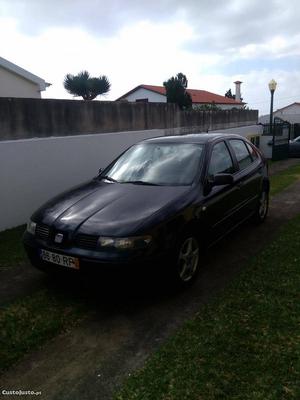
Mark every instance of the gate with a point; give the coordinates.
(279, 138)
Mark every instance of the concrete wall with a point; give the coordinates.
(13, 85)
(34, 170)
(28, 118)
(205, 121)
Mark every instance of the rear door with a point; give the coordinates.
(248, 178)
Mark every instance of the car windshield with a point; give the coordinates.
(157, 164)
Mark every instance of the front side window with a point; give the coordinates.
(158, 164)
(252, 151)
(241, 152)
(220, 162)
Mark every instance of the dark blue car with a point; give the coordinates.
(160, 203)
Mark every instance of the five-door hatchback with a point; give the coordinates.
(160, 203)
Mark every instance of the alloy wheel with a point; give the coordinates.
(263, 205)
(188, 259)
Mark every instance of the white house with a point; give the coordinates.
(291, 109)
(151, 93)
(290, 113)
(17, 82)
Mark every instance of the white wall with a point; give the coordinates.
(13, 85)
(266, 146)
(34, 170)
(245, 131)
(142, 93)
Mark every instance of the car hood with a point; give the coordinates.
(100, 208)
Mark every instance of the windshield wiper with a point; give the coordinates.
(108, 178)
(142, 183)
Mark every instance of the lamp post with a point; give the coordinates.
(272, 87)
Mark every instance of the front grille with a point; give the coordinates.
(42, 232)
(86, 241)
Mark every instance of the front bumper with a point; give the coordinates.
(91, 260)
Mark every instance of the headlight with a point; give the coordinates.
(137, 242)
(31, 226)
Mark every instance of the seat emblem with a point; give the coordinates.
(58, 238)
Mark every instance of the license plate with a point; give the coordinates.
(59, 259)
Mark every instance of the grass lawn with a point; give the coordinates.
(243, 345)
(11, 248)
(26, 324)
(283, 179)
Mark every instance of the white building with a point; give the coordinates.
(17, 82)
(157, 94)
(290, 113)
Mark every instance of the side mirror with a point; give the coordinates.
(222, 179)
(100, 170)
(217, 180)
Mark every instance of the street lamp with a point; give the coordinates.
(272, 87)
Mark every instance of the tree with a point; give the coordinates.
(85, 86)
(207, 107)
(229, 94)
(176, 91)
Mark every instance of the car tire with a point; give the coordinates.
(186, 261)
(262, 207)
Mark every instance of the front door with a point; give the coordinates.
(220, 204)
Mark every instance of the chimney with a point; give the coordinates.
(238, 90)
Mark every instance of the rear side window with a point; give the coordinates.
(252, 151)
(220, 162)
(241, 152)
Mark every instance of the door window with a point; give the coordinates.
(241, 152)
(252, 151)
(220, 162)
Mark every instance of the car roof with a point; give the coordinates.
(200, 138)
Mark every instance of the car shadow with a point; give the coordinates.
(134, 290)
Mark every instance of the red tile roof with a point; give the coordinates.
(198, 96)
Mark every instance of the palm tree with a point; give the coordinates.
(176, 91)
(85, 86)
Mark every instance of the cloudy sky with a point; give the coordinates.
(213, 42)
